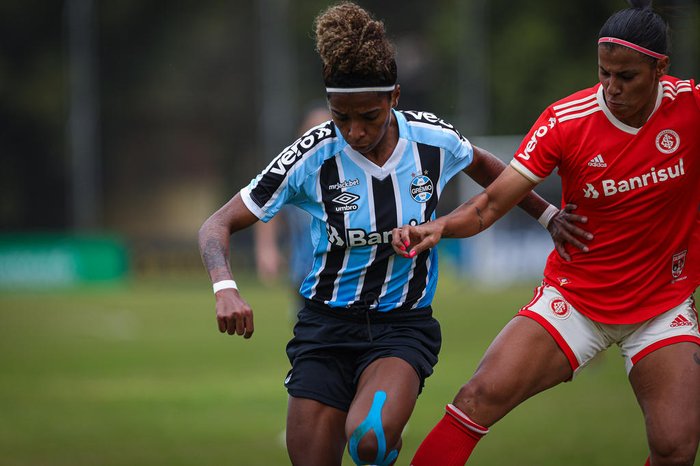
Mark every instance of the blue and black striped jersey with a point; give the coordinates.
(355, 204)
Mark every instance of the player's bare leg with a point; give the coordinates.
(386, 395)
(667, 385)
(315, 433)
(522, 361)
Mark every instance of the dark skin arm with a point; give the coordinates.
(233, 314)
(510, 188)
(486, 167)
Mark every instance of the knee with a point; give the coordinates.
(486, 402)
(477, 394)
(370, 452)
(680, 451)
(370, 448)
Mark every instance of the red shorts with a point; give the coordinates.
(581, 338)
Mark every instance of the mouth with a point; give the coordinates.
(614, 104)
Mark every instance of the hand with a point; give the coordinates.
(563, 231)
(409, 241)
(233, 314)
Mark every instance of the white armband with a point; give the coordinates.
(547, 215)
(224, 284)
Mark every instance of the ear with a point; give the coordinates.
(662, 66)
(395, 94)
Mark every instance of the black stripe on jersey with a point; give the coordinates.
(385, 217)
(329, 176)
(418, 281)
(430, 166)
(430, 118)
(276, 172)
(430, 162)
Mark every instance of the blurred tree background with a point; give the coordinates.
(142, 117)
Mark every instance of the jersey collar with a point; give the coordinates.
(617, 123)
(390, 166)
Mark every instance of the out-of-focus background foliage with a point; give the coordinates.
(125, 123)
(139, 118)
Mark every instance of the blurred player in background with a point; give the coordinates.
(366, 340)
(628, 153)
(292, 226)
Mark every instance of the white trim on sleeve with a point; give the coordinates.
(250, 204)
(523, 170)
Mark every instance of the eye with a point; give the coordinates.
(370, 116)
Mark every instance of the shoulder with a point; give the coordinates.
(679, 89)
(677, 83)
(308, 151)
(575, 106)
(428, 128)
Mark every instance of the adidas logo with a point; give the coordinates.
(681, 321)
(597, 162)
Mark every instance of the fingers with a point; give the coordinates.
(568, 238)
(248, 327)
(237, 325)
(574, 218)
(409, 241)
(222, 324)
(562, 252)
(416, 249)
(235, 320)
(581, 233)
(400, 240)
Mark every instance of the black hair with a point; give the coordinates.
(639, 25)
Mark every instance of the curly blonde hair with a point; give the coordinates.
(353, 47)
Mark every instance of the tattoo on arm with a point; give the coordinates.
(479, 215)
(214, 255)
(481, 219)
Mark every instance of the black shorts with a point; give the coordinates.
(331, 348)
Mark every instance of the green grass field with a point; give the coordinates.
(139, 375)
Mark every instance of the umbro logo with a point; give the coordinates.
(597, 162)
(345, 200)
(681, 321)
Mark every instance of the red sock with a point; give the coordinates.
(450, 442)
(648, 463)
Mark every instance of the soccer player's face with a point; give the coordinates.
(630, 83)
(362, 118)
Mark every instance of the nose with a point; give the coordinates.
(614, 86)
(356, 131)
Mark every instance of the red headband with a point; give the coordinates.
(638, 48)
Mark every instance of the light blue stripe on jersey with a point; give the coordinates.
(426, 144)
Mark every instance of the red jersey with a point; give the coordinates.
(639, 188)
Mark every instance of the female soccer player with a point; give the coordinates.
(366, 339)
(628, 153)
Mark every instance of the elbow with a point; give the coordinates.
(207, 230)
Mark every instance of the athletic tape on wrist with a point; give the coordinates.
(224, 284)
(547, 215)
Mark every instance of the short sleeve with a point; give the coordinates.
(540, 152)
(459, 157)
